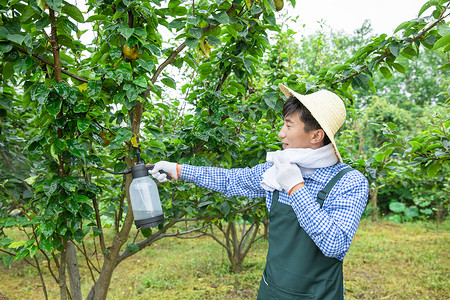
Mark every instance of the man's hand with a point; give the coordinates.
(288, 175)
(166, 166)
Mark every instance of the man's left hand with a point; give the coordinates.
(288, 175)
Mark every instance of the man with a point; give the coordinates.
(308, 238)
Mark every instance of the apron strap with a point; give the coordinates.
(275, 195)
(322, 195)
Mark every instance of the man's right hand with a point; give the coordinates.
(173, 168)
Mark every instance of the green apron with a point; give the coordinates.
(295, 266)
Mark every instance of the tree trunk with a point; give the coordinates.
(62, 273)
(74, 273)
(374, 196)
(100, 288)
(265, 221)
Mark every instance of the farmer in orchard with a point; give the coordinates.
(314, 200)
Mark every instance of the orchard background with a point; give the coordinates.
(196, 82)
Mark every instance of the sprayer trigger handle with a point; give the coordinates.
(168, 175)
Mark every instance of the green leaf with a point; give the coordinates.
(386, 72)
(125, 31)
(76, 148)
(16, 38)
(80, 108)
(443, 41)
(17, 244)
(155, 144)
(73, 12)
(221, 17)
(122, 135)
(153, 49)
(271, 19)
(81, 198)
(191, 42)
(196, 32)
(40, 93)
(34, 151)
(399, 68)
(397, 207)
(416, 146)
(424, 7)
(170, 82)
(46, 244)
(8, 70)
(433, 169)
(61, 144)
(27, 14)
(412, 212)
(176, 24)
(56, 5)
(247, 65)
(194, 20)
(6, 47)
(270, 98)
(72, 206)
(147, 65)
(141, 81)
(83, 124)
(50, 187)
(395, 48)
(379, 156)
(133, 247)
(224, 207)
(54, 107)
(360, 81)
(269, 4)
(146, 232)
(21, 254)
(212, 40)
(93, 88)
(78, 235)
(232, 31)
(64, 90)
(23, 63)
(97, 18)
(97, 231)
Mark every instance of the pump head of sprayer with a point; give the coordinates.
(139, 169)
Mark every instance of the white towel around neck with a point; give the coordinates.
(307, 159)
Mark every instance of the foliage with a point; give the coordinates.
(68, 104)
(91, 97)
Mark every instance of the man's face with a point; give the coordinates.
(293, 133)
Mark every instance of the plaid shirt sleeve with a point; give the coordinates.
(333, 226)
(230, 182)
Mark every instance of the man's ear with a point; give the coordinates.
(317, 136)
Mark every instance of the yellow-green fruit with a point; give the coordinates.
(131, 53)
(205, 49)
(278, 4)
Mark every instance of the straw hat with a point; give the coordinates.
(326, 107)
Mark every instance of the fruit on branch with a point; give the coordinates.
(279, 4)
(131, 53)
(204, 48)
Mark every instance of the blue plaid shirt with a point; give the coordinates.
(331, 227)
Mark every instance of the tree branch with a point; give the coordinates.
(221, 216)
(441, 17)
(11, 166)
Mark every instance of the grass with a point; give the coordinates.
(385, 261)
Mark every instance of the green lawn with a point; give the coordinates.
(385, 261)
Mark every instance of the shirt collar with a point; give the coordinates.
(323, 175)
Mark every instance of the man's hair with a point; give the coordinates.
(293, 105)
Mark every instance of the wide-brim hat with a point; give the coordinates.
(326, 107)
